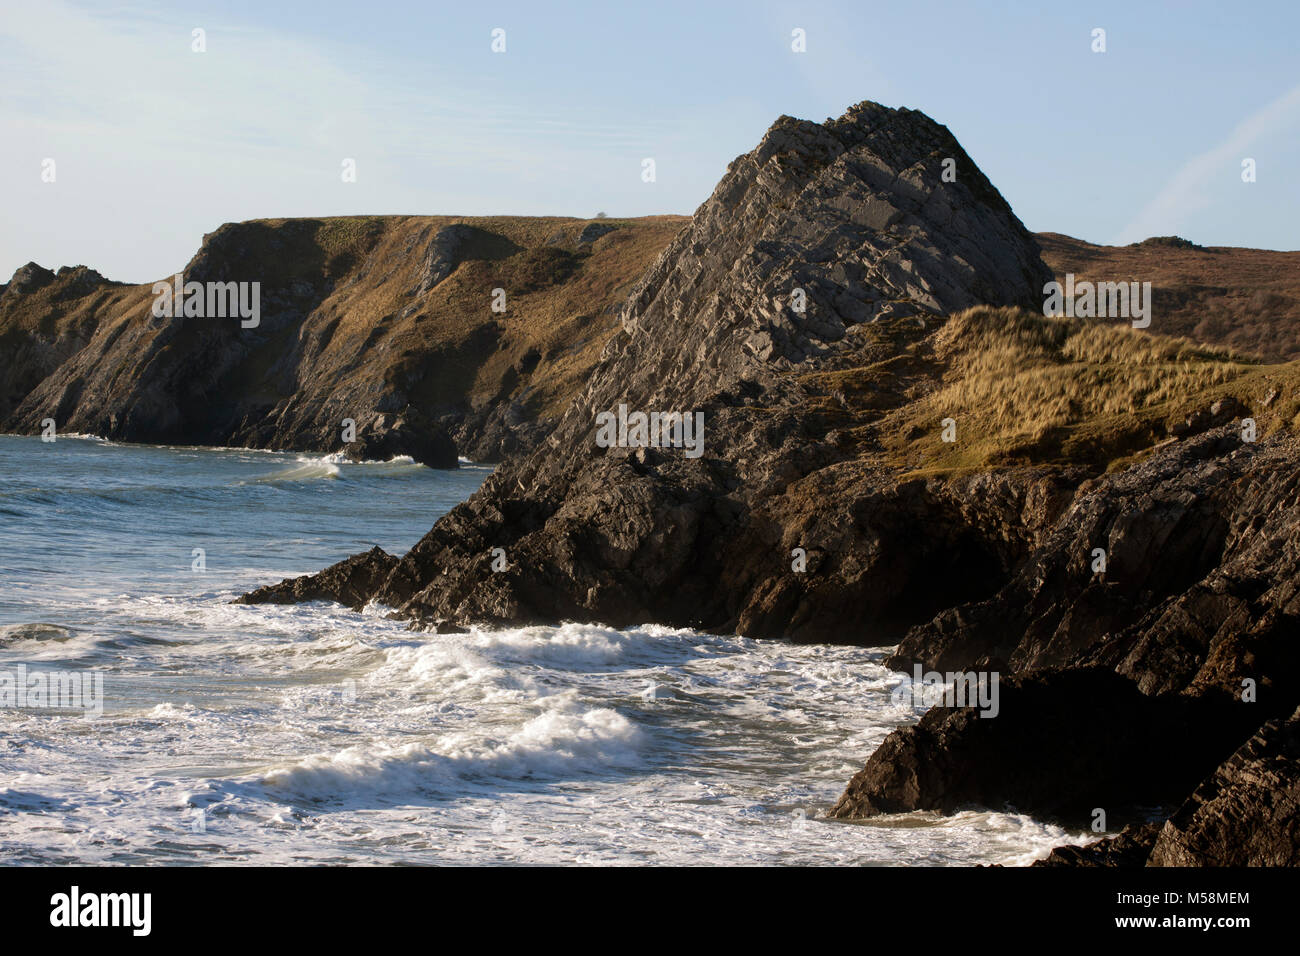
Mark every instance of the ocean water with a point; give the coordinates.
(312, 734)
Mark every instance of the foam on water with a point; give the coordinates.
(310, 733)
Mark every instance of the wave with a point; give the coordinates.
(562, 742)
(337, 465)
(537, 744)
(307, 469)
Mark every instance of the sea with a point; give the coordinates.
(177, 728)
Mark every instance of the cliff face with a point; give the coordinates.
(828, 250)
(387, 321)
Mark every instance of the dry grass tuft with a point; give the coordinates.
(1025, 389)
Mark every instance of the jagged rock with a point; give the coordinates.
(854, 213)
(1063, 743)
(1247, 813)
(1199, 601)
(349, 582)
(29, 278)
(1201, 588)
(1129, 848)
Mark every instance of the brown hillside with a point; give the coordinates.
(1246, 299)
(381, 319)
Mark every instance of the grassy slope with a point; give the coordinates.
(1024, 389)
(561, 302)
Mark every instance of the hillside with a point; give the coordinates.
(1246, 299)
(384, 320)
(388, 321)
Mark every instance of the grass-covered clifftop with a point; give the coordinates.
(373, 318)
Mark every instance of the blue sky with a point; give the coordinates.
(155, 145)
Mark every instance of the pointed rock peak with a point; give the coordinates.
(877, 215)
(29, 278)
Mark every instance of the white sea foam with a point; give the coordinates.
(305, 470)
(274, 734)
(562, 741)
(538, 744)
(335, 465)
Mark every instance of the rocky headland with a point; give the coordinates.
(384, 321)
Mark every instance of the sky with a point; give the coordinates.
(154, 144)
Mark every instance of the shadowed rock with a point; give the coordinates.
(1247, 813)
(1130, 847)
(409, 434)
(1063, 744)
(364, 318)
(1201, 589)
(349, 582)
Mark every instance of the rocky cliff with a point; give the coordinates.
(387, 321)
(784, 314)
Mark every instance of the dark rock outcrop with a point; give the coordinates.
(1062, 744)
(819, 231)
(1247, 813)
(1202, 564)
(1130, 847)
(407, 434)
(350, 582)
(1193, 622)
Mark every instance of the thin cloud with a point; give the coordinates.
(1188, 191)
